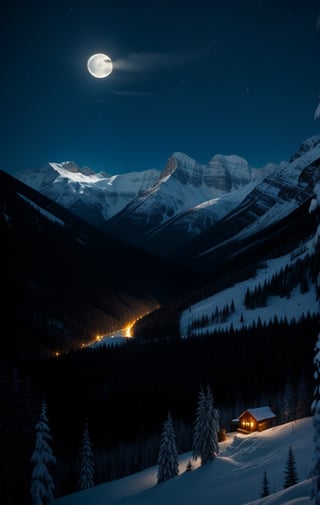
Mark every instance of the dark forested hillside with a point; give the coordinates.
(236, 261)
(216, 248)
(65, 281)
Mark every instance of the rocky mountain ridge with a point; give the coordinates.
(134, 205)
(164, 212)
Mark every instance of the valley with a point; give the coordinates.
(160, 253)
(118, 336)
(107, 330)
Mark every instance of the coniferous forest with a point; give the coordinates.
(125, 393)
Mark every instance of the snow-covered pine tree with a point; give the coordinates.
(199, 424)
(168, 465)
(265, 489)
(87, 460)
(42, 485)
(206, 427)
(291, 475)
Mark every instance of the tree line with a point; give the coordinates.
(124, 390)
(204, 446)
(164, 323)
(282, 283)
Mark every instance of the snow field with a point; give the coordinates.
(233, 478)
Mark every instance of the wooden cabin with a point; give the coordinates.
(257, 419)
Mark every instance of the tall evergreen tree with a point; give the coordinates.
(42, 485)
(288, 410)
(291, 475)
(168, 465)
(87, 460)
(303, 399)
(265, 489)
(199, 423)
(206, 427)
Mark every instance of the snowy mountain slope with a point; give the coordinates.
(200, 206)
(184, 187)
(293, 307)
(137, 203)
(273, 199)
(82, 190)
(288, 188)
(193, 221)
(233, 478)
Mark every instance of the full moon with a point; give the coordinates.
(99, 65)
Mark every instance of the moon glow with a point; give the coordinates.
(99, 65)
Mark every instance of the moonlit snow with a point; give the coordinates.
(233, 478)
(294, 307)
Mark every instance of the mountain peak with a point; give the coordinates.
(223, 172)
(170, 167)
(182, 164)
(183, 200)
(70, 168)
(73, 167)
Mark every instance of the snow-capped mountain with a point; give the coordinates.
(187, 204)
(136, 204)
(188, 198)
(93, 196)
(277, 197)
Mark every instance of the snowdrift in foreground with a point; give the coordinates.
(234, 478)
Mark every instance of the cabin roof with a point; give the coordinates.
(260, 413)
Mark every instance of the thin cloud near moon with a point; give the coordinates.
(136, 62)
(139, 63)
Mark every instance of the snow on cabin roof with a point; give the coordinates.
(260, 413)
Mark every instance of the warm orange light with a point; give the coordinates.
(127, 330)
(57, 354)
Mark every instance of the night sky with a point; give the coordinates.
(201, 77)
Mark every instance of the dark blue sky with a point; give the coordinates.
(202, 77)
